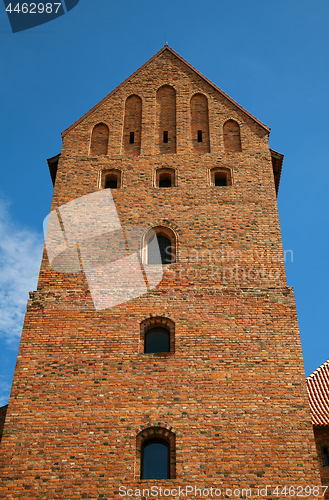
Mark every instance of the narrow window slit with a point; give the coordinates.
(132, 138)
(325, 456)
(165, 136)
(199, 135)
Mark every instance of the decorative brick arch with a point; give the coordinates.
(231, 135)
(99, 139)
(200, 123)
(163, 432)
(166, 119)
(132, 129)
(160, 322)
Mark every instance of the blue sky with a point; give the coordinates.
(269, 56)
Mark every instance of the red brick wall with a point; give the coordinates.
(232, 391)
(3, 411)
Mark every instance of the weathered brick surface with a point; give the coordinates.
(231, 394)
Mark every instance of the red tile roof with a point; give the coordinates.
(318, 393)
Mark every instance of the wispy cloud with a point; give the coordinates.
(20, 256)
(4, 393)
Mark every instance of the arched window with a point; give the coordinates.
(156, 454)
(221, 176)
(132, 125)
(166, 119)
(99, 139)
(155, 459)
(164, 245)
(200, 123)
(157, 340)
(232, 140)
(165, 177)
(157, 335)
(159, 247)
(111, 179)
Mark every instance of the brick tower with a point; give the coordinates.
(194, 365)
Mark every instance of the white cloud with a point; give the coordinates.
(20, 257)
(4, 393)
